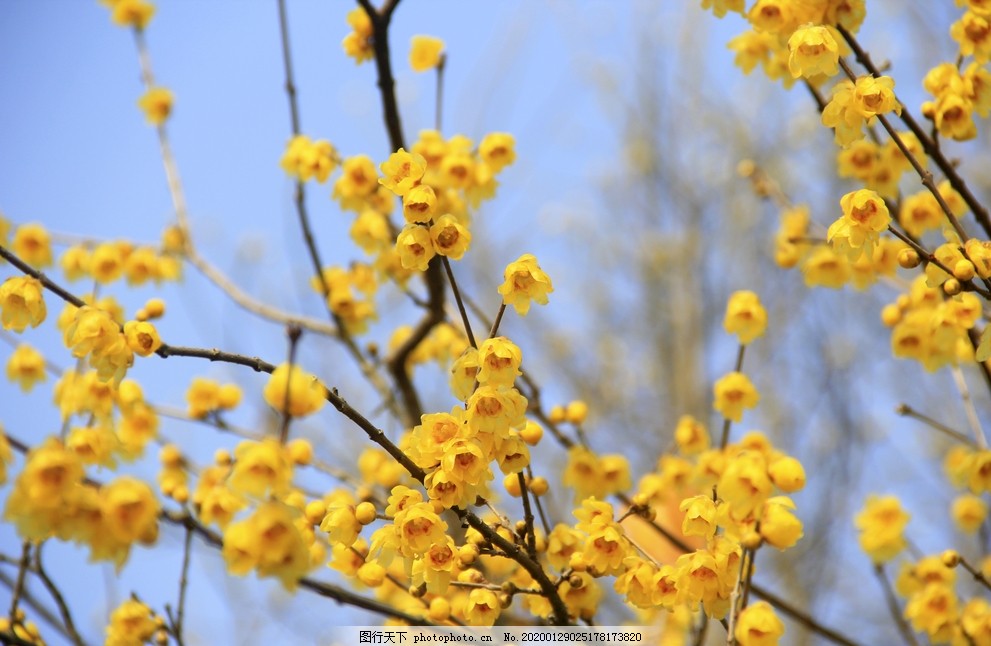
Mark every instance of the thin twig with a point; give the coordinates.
(529, 534)
(727, 422)
(57, 597)
(908, 411)
(968, 406)
(187, 550)
(896, 613)
(293, 333)
(22, 570)
(441, 64)
(457, 299)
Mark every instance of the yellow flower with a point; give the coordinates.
(933, 610)
(132, 13)
(132, 622)
(497, 150)
(75, 262)
(875, 95)
(733, 393)
(482, 607)
(720, 7)
(419, 527)
(107, 262)
(425, 53)
(865, 216)
(757, 625)
(419, 203)
(270, 542)
(969, 512)
(21, 303)
(691, 435)
(973, 33)
(450, 238)
(813, 50)
(26, 366)
(495, 410)
(33, 245)
(787, 473)
(415, 247)
(499, 361)
(261, 468)
(130, 510)
(744, 483)
(778, 525)
(156, 103)
(402, 171)
(524, 281)
(882, 524)
(305, 159)
(745, 316)
(142, 338)
(297, 392)
(464, 371)
(920, 212)
(700, 516)
(357, 182)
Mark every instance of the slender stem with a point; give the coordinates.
(908, 411)
(968, 405)
(727, 422)
(896, 613)
(440, 92)
(57, 597)
(287, 64)
(977, 574)
(461, 305)
(497, 321)
(22, 570)
(294, 333)
(531, 539)
(183, 585)
(540, 507)
(38, 609)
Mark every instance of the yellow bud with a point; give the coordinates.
(154, 307)
(890, 315)
(539, 486)
(751, 540)
(950, 558)
(532, 433)
(365, 513)
(222, 457)
(963, 270)
(300, 451)
(181, 494)
(576, 581)
(315, 511)
(577, 411)
(467, 554)
(908, 258)
(951, 287)
(440, 609)
(556, 414)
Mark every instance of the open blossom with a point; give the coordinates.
(865, 216)
(425, 53)
(813, 50)
(524, 281)
(733, 393)
(745, 316)
(402, 171)
(21, 303)
(156, 103)
(305, 396)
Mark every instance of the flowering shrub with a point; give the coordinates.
(466, 496)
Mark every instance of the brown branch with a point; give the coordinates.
(457, 299)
